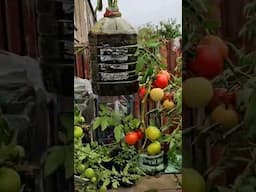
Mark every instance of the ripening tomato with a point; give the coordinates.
(216, 42)
(139, 134)
(142, 92)
(208, 63)
(161, 81)
(131, 138)
(166, 73)
(223, 96)
(231, 96)
(227, 116)
(168, 96)
(218, 97)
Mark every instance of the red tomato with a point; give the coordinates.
(222, 95)
(161, 81)
(168, 96)
(208, 63)
(142, 91)
(231, 98)
(218, 97)
(131, 138)
(139, 134)
(217, 42)
(166, 73)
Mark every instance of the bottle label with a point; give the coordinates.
(105, 67)
(114, 76)
(114, 54)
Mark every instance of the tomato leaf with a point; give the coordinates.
(96, 123)
(104, 123)
(54, 160)
(118, 132)
(140, 63)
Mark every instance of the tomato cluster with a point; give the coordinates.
(198, 92)
(133, 137)
(210, 55)
(158, 92)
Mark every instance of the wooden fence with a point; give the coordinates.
(18, 27)
(84, 19)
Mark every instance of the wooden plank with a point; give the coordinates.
(29, 23)
(137, 102)
(232, 19)
(84, 20)
(13, 20)
(86, 64)
(79, 64)
(171, 57)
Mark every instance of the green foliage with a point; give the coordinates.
(10, 152)
(154, 33)
(119, 122)
(149, 60)
(175, 148)
(169, 29)
(148, 33)
(245, 182)
(61, 156)
(249, 29)
(195, 26)
(151, 38)
(114, 165)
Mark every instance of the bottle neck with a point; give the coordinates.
(112, 12)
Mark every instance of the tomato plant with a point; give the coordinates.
(11, 155)
(113, 165)
(225, 128)
(116, 163)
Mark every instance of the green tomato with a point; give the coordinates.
(78, 132)
(93, 179)
(81, 168)
(89, 173)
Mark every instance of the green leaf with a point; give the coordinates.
(118, 132)
(104, 123)
(54, 160)
(106, 182)
(96, 123)
(115, 184)
(104, 110)
(152, 44)
(140, 63)
(69, 169)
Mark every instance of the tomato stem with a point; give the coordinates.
(236, 70)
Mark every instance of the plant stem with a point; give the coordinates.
(151, 55)
(236, 70)
(143, 111)
(110, 3)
